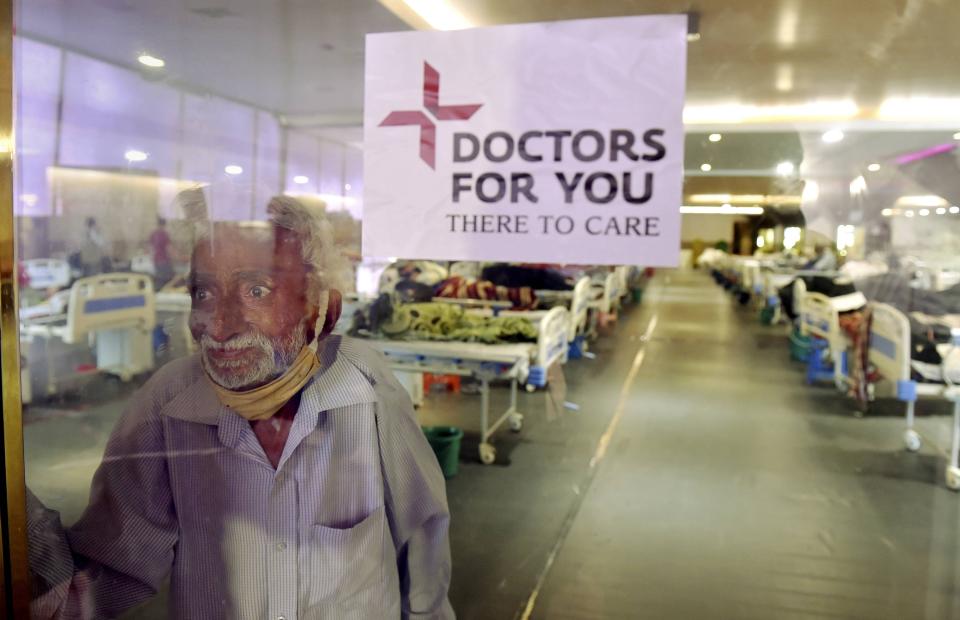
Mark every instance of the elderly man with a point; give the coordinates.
(278, 474)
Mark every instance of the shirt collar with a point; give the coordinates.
(338, 383)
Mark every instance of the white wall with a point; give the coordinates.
(709, 228)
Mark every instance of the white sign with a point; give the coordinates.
(555, 142)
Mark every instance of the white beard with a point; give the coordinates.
(272, 358)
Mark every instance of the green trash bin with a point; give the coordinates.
(766, 315)
(445, 441)
(799, 346)
(637, 295)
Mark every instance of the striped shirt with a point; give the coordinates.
(352, 523)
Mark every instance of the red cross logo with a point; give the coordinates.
(431, 101)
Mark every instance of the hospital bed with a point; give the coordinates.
(611, 291)
(890, 353)
(771, 281)
(47, 273)
(774, 277)
(819, 316)
(143, 263)
(43, 276)
(173, 315)
(577, 302)
(111, 313)
(518, 363)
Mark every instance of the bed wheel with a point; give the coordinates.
(488, 454)
(953, 478)
(516, 422)
(530, 388)
(912, 440)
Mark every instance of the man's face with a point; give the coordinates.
(250, 312)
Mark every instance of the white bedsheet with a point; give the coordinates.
(472, 351)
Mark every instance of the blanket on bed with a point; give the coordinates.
(458, 287)
(439, 321)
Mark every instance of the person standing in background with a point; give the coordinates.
(160, 251)
(93, 254)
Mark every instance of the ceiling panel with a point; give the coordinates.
(290, 56)
(305, 57)
(787, 51)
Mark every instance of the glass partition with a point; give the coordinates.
(229, 410)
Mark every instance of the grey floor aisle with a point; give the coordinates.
(733, 490)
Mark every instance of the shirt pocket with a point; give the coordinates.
(346, 565)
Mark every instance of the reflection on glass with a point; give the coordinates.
(280, 471)
(211, 430)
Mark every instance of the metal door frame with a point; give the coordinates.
(14, 570)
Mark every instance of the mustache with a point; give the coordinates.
(271, 357)
(235, 343)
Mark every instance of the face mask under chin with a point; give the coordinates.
(272, 358)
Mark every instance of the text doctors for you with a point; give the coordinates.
(556, 142)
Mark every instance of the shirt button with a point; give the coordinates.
(280, 547)
(281, 618)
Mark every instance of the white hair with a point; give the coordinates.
(310, 225)
(327, 265)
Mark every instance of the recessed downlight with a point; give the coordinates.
(151, 61)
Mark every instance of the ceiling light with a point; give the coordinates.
(233, 169)
(787, 26)
(439, 15)
(717, 137)
(726, 206)
(924, 212)
(886, 212)
(332, 200)
(833, 136)
(135, 155)
(956, 136)
(811, 191)
(824, 110)
(711, 198)
(954, 209)
(746, 198)
(300, 179)
(909, 213)
(151, 61)
(941, 211)
(791, 236)
(706, 167)
(784, 82)
(917, 108)
(347, 187)
(785, 168)
(873, 167)
(724, 210)
(928, 200)
(846, 237)
(858, 185)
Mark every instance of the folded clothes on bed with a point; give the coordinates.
(458, 287)
(841, 290)
(440, 321)
(518, 276)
